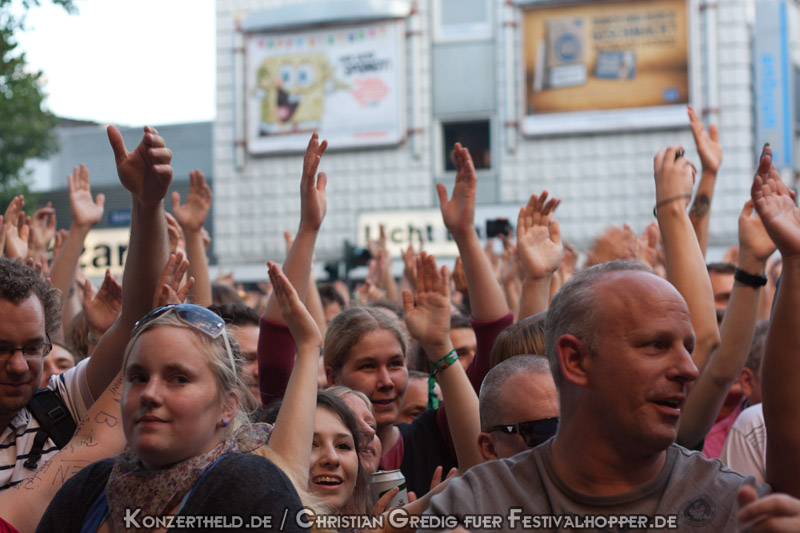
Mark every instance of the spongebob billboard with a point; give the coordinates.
(344, 82)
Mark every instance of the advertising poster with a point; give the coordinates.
(345, 82)
(595, 57)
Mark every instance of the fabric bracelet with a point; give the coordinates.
(665, 201)
(438, 366)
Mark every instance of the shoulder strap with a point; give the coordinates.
(49, 410)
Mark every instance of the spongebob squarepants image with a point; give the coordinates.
(292, 91)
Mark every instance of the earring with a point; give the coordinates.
(224, 422)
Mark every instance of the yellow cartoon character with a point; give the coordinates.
(293, 88)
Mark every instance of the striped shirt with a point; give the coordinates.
(17, 437)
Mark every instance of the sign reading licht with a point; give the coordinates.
(344, 82)
(600, 65)
(774, 114)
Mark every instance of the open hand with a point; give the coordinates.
(192, 215)
(102, 308)
(145, 172)
(85, 211)
(312, 186)
(458, 213)
(707, 142)
(429, 320)
(775, 204)
(539, 237)
(301, 325)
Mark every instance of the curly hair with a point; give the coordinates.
(18, 281)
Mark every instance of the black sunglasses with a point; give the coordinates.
(533, 432)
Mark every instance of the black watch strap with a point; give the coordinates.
(751, 280)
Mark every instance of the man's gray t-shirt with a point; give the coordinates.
(525, 492)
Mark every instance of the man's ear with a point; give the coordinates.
(485, 447)
(573, 356)
(331, 376)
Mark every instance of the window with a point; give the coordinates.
(474, 135)
(462, 19)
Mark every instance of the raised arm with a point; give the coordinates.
(486, 297)
(710, 151)
(293, 434)
(191, 216)
(43, 229)
(16, 229)
(312, 211)
(146, 173)
(736, 335)
(686, 268)
(101, 308)
(276, 349)
(781, 367)
(429, 322)
(540, 249)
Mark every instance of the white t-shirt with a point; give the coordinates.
(745, 449)
(17, 437)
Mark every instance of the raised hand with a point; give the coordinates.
(301, 325)
(707, 142)
(754, 241)
(410, 265)
(43, 229)
(429, 320)
(539, 237)
(312, 186)
(86, 212)
(774, 513)
(458, 213)
(170, 290)
(102, 308)
(192, 215)
(145, 172)
(174, 234)
(16, 229)
(775, 204)
(459, 277)
(674, 176)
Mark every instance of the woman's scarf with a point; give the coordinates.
(157, 492)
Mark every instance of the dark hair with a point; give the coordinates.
(328, 294)
(362, 499)
(236, 314)
(459, 321)
(18, 281)
(721, 268)
(223, 294)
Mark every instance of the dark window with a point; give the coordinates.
(473, 135)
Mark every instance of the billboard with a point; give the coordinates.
(600, 65)
(345, 82)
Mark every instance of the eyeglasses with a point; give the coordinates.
(196, 316)
(533, 432)
(31, 352)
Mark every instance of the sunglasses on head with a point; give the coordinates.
(198, 317)
(533, 432)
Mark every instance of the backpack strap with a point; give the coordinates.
(55, 422)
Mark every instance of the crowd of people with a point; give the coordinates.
(516, 390)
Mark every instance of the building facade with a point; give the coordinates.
(572, 97)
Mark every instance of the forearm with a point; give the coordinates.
(65, 264)
(780, 378)
(148, 252)
(200, 293)
(314, 305)
(725, 364)
(700, 212)
(686, 270)
(390, 287)
(297, 268)
(535, 296)
(293, 433)
(485, 294)
(463, 418)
